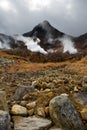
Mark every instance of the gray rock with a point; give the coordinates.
(4, 120)
(21, 90)
(31, 123)
(64, 114)
(23, 103)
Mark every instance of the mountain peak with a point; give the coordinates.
(45, 25)
(44, 31)
(45, 22)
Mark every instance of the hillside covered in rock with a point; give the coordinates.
(43, 80)
(27, 88)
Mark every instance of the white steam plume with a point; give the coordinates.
(31, 44)
(4, 45)
(50, 40)
(4, 42)
(68, 45)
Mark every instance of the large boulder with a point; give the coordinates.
(64, 114)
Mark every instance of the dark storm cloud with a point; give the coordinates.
(19, 16)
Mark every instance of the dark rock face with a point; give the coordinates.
(44, 28)
(64, 114)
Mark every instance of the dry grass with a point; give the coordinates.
(21, 65)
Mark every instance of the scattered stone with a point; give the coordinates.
(47, 90)
(50, 85)
(44, 85)
(4, 120)
(31, 105)
(84, 113)
(50, 94)
(59, 81)
(26, 97)
(31, 112)
(55, 81)
(76, 89)
(3, 101)
(23, 103)
(5, 61)
(55, 128)
(31, 123)
(80, 98)
(47, 79)
(47, 110)
(34, 83)
(37, 84)
(18, 110)
(22, 90)
(64, 114)
(85, 79)
(41, 112)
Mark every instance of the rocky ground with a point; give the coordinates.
(29, 88)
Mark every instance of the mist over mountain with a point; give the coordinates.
(51, 38)
(47, 40)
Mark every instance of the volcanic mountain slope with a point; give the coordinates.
(45, 44)
(81, 42)
(47, 34)
(51, 38)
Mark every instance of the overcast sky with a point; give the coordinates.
(20, 16)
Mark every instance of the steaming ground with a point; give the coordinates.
(4, 45)
(4, 42)
(68, 45)
(31, 43)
